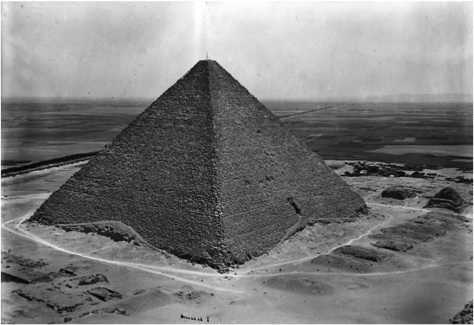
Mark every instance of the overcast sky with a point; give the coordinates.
(277, 50)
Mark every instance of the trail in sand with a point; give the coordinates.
(16, 229)
(14, 226)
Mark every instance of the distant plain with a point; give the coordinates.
(438, 134)
(294, 282)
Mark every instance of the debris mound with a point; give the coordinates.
(92, 279)
(399, 192)
(447, 198)
(408, 235)
(357, 259)
(104, 294)
(363, 253)
(69, 290)
(53, 297)
(115, 230)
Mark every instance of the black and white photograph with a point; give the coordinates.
(242, 162)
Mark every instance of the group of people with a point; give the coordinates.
(194, 318)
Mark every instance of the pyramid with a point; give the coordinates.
(207, 173)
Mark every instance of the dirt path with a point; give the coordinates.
(397, 207)
(14, 226)
(429, 266)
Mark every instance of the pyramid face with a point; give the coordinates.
(206, 173)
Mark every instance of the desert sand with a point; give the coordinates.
(324, 274)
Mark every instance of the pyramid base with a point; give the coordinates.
(222, 260)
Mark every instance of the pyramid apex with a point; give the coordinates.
(207, 60)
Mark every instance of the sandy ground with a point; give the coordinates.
(428, 284)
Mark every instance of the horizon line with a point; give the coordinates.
(359, 98)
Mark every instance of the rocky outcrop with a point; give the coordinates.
(393, 245)
(464, 316)
(206, 173)
(447, 198)
(399, 192)
(92, 279)
(104, 294)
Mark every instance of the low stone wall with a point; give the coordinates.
(41, 165)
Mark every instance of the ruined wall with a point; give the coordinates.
(269, 182)
(157, 176)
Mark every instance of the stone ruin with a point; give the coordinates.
(207, 173)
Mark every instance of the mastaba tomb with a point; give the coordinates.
(207, 173)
